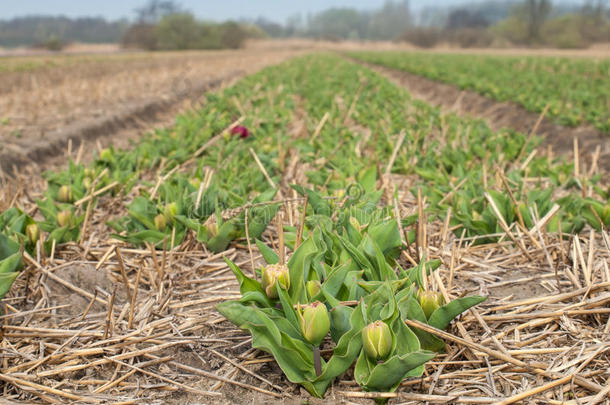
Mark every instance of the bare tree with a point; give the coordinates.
(153, 11)
(595, 8)
(464, 18)
(535, 13)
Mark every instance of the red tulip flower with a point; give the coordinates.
(242, 131)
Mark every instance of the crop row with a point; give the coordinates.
(222, 173)
(576, 90)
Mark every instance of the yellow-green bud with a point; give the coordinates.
(87, 183)
(212, 229)
(272, 275)
(160, 222)
(314, 321)
(313, 288)
(105, 154)
(65, 218)
(64, 194)
(377, 340)
(430, 301)
(89, 172)
(195, 182)
(171, 210)
(32, 232)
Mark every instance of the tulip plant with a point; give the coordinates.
(303, 304)
(10, 263)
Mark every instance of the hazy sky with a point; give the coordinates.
(277, 10)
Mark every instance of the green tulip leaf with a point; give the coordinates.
(268, 254)
(299, 266)
(387, 376)
(320, 205)
(6, 281)
(246, 284)
(11, 263)
(442, 317)
(410, 309)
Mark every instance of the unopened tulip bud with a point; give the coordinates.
(65, 218)
(377, 340)
(242, 131)
(106, 154)
(171, 210)
(272, 275)
(160, 222)
(195, 182)
(212, 229)
(313, 288)
(314, 321)
(64, 194)
(32, 232)
(430, 301)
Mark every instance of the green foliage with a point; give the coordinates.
(52, 43)
(574, 88)
(564, 32)
(386, 23)
(277, 327)
(181, 31)
(352, 260)
(10, 263)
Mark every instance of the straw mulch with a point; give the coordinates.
(99, 321)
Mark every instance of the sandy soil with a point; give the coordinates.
(595, 51)
(601, 50)
(42, 109)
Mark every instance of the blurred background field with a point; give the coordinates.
(169, 25)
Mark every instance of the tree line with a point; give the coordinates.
(40, 30)
(164, 25)
(479, 23)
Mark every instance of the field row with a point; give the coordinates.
(443, 151)
(83, 92)
(369, 169)
(575, 90)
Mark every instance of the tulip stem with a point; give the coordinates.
(317, 362)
